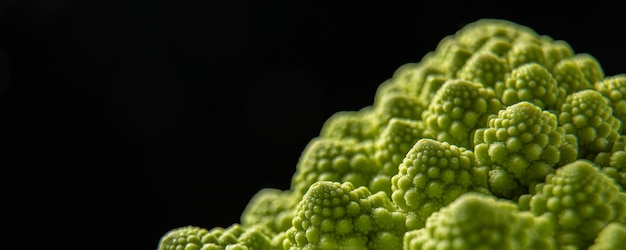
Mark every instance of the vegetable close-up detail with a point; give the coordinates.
(499, 138)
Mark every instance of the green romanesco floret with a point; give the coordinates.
(499, 138)
(480, 32)
(613, 163)
(449, 57)
(363, 147)
(479, 221)
(396, 106)
(188, 237)
(369, 163)
(367, 123)
(329, 159)
(234, 237)
(272, 208)
(580, 201)
(614, 88)
(337, 216)
(531, 82)
(350, 125)
(420, 80)
(498, 46)
(588, 116)
(484, 67)
(555, 51)
(516, 45)
(520, 146)
(526, 51)
(390, 149)
(431, 176)
(578, 72)
(458, 108)
(612, 236)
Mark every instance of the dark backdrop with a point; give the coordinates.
(121, 120)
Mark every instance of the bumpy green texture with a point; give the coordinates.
(327, 159)
(499, 138)
(349, 125)
(612, 236)
(578, 72)
(478, 221)
(520, 146)
(613, 163)
(335, 215)
(234, 237)
(432, 175)
(531, 82)
(580, 201)
(189, 237)
(588, 115)
(272, 208)
(614, 88)
(458, 108)
(391, 148)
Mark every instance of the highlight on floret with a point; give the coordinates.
(391, 147)
(458, 108)
(367, 162)
(588, 116)
(520, 146)
(328, 159)
(334, 215)
(499, 138)
(431, 176)
(531, 82)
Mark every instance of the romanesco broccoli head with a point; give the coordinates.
(499, 138)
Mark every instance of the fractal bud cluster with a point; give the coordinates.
(500, 138)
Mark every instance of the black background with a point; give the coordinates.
(121, 120)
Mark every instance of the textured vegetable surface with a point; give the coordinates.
(500, 138)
